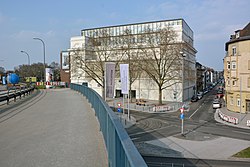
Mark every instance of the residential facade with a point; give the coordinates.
(199, 77)
(237, 71)
(143, 87)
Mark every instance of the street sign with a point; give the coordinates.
(182, 116)
(248, 122)
(182, 110)
(118, 109)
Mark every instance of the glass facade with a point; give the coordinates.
(180, 27)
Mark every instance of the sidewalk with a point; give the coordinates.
(241, 117)
(58, 127)
(150, 106)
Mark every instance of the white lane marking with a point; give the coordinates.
(196, 110)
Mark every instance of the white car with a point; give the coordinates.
(199, 95)
(216, 104)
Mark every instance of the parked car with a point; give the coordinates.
(141, 102)
(194, 99)
(199, 95)
(216, 103)
(205, 91)
(220, 94)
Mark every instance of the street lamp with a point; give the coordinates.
(27, 55)
(43, 56)
(183, 56)
(182, 109)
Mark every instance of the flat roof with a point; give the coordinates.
(119, 25)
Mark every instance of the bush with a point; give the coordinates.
(40, 87)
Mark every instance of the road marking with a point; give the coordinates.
(241, 132)
(139, 133)
(196, 110)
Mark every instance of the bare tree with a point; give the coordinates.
(130, 56)
(91, 60)
(160, 58)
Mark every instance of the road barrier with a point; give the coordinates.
(14, 92)
(227, 118)
(54, 83)
(248, 122)
(121, 150)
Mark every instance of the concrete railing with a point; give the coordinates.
(121, 150)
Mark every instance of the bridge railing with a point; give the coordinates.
(13, 93)
(121, 150)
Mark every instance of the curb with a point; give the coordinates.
(218, 119)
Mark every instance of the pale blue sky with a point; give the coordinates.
(55, 21)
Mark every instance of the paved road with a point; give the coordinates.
(55, 128)
(158, 135)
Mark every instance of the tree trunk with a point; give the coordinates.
(103, 93)
(103, 88)
(130, 97)
(160, 96)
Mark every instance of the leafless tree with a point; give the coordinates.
(130, 56)
(160, 58)
(91, 60)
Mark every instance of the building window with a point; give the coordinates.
(248, 64)
(231, 101)
(238, 102)
(237, 34)
(234, 51)
(233, 65)
(234, 83)
(248, 82)
(228, 65)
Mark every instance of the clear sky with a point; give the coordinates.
(55, 21)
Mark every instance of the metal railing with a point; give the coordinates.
(14, 92)
(121, 150)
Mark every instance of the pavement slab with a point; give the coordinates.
(58, 130)
(220, 148)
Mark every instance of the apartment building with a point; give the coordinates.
(129, 40)
(237, 71)
(199, 75)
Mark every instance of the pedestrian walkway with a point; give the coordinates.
(55, 128)
(236, 119)
(150, 106)
(179, 147)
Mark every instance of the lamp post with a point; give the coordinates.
(182, 108)
(43, 56)
(27, 55)
(183, 56)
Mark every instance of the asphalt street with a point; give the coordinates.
(199, 126)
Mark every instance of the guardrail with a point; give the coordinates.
(14, 92)
(121, 150)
